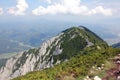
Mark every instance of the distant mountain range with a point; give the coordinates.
(117, 45)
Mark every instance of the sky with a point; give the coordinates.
(104, 8)
(63, 9)
(85, 11)
(97, 12)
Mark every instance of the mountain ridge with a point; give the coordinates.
(60, 48)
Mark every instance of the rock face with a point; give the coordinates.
(59, 48)
(25, 62)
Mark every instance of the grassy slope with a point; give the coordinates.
(75, 69)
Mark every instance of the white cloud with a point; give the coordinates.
(64, 7)
(20, 8)
(1, 11)
(70, 7)
(101, 10)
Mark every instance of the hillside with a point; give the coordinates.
(92, 66)
(66, 45)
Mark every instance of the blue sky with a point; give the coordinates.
(84, 11)
(109, 8)
(96, 12)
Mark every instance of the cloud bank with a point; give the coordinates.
(73, 7)
(20, 8)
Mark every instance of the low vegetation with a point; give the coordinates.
(76, 68)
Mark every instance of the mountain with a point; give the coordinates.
(61, 48)
(117, 45)
(95, 65)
